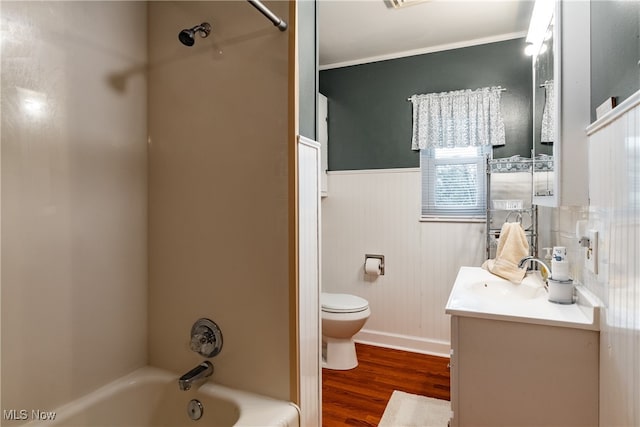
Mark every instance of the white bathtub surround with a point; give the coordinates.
(219, 216)
(74, 198)
(614, 211)
(150, 397)
(378, 212)
(126, 202)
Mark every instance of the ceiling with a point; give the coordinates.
(359, 31)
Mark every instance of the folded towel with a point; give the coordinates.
(512, 247)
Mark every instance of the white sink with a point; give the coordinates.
(478, 293)
(498, 289)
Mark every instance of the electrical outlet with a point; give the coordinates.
(591, 253)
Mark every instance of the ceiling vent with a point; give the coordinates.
(397, 4)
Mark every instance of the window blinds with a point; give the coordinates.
(453, 182)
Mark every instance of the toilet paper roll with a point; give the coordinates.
(372, 266)
(559, 270)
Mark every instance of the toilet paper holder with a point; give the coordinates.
(380, 257)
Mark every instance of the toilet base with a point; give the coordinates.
(338, 354)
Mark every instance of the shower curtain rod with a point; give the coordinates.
(501, 90)
(282, 26)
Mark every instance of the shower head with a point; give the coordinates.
(188, 36)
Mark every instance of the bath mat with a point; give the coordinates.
(411, 410)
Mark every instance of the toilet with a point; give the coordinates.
(343, 316)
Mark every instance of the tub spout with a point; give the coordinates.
(200, 372)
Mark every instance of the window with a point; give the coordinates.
(454, 182)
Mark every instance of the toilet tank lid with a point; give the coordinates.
(343, 302)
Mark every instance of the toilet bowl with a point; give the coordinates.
(343, 316)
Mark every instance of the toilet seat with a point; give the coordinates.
(342, 303)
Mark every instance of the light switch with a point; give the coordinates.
(591, 252)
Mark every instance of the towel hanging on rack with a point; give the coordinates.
(512, 247)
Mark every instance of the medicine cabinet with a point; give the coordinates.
(561, 107)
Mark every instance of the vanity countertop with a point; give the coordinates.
(480, 294)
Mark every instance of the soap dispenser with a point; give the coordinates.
(559, 263)
(560, 285)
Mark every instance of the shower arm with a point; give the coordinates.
(282, 26)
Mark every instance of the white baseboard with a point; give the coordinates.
(404, 342)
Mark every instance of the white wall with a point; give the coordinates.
(309, 328)
(614, 190)
(378, 212)
(218, 200)
(557, 227)
(614, 211)
(74, 272)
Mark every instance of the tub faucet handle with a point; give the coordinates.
(200, 341)
(206, 338)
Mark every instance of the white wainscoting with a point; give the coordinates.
(377, 212)
(309, 350)
(614, 191)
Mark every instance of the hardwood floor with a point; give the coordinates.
(359, 396)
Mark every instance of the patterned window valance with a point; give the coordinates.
(460, 118)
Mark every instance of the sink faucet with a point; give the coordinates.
(200, 372)
(527, 259)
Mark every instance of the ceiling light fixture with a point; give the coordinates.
(528, 50)
(539, 25)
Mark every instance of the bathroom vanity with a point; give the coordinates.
(518, 359)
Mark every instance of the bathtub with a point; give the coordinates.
(150, 397)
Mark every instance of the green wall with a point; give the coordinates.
(370, 118)
(308, 66)
(615, 50)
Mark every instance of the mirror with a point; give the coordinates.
(545, 119)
